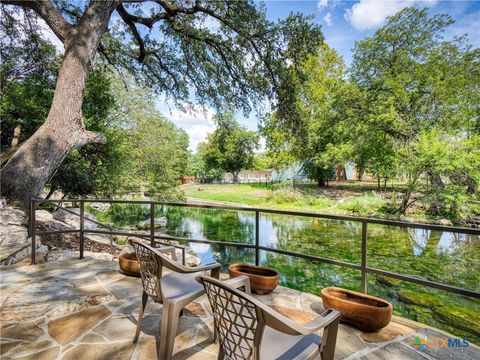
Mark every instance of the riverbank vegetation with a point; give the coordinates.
(406, 110)
(350, 198)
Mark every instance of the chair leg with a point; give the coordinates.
(140, 316)
(329, 340)
(221, 354)
(215, 334)
(168, 331)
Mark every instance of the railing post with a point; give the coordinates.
(152, 224)
(257, 238)
(33, 206)
(82, 227)
(364, 256)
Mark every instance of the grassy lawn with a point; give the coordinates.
(247, 194)
(302, 199)
(344, 198)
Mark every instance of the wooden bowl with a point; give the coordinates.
(129, 264)
(366, 312)
(262, 280)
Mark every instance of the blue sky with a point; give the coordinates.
(343, 23)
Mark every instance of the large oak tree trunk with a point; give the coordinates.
(37, 159)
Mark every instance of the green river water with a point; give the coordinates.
(444, 257)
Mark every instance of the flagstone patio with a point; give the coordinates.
(86, 309)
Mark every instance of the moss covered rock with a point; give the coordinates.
(463, 318)
(418, 298)
(387, 280)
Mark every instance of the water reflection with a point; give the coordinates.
(446, 257)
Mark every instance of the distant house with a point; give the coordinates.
(249, 176)
(292, 172)
(187, 179)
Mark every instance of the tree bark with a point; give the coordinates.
(16, 136)
(35, 162)
(235, 177)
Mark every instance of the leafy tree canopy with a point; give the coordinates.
(230, 147)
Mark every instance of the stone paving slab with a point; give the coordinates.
(86, 309)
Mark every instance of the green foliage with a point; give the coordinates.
(156, 151)
(239, 60)
(416, 90)
(364, 205)
(27, 77)
(409, 108)
(262, 161)
(320, 84)
(197, 168)
(230, 147)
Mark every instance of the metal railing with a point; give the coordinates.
(363, 266)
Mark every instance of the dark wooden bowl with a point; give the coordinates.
(129, 264)
(262, 280)
(368, 313)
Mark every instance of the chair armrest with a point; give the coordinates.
(283, 324)
(177, 246)
(240, 281)
(325, 319)
(177, 267)
(168, 249)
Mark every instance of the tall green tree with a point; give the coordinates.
(414, 85)
(168, 46)
(155, 150)
(320, 83)
(28, 82)
(230, 147)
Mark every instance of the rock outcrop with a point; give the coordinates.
(15, 243)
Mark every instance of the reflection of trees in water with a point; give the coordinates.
(310, 276)
(127, 214)
(334, 239)
(216, 225)
(228, 255)
(449, 258)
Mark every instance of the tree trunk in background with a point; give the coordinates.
(340, 173)
(16, 136)
(35, 162)
(235, 177)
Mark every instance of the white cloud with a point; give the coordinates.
(322, 4)
(328, 19)
(369, 14)
(197, 122)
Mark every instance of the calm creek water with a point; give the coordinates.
(444, 257)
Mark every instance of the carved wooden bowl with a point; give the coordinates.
(129, 264)
(262, 280)
(366, 312)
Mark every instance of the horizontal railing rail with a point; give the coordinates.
(154, 238)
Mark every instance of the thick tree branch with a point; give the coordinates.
(173, 8)
(92, 137)
(47, 12)
(128, 20)
(148, 22)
